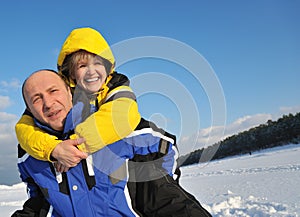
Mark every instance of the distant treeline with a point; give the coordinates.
(286, 130)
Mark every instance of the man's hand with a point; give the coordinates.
(67, 154)
(60, 168)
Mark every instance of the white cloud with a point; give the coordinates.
(246, 123)
(208, 136)
(13, 84)
(4, 102)
(7, 118)
(8, 91)
(8, 145)
(290, 110)
(7, 132)
(204, 137)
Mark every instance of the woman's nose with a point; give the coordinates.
(91, 69)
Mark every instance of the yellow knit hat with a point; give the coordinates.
(85, 39)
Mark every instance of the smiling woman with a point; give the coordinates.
(87, 69)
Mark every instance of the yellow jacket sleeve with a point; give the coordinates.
(33, 140)
(116, 118)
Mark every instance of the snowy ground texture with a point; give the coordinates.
(259, 185)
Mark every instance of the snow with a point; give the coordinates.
(262, 184)
(12, 198)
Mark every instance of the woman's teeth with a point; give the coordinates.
(91, 79)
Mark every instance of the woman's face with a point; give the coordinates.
(90, 74)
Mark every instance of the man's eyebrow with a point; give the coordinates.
(53, 86)
(34, 95)
(47, 90)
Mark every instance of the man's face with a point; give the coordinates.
(48, 98)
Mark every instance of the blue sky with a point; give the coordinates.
(252, 47)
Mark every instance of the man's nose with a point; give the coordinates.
(48, 102)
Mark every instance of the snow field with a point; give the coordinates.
(263, 184)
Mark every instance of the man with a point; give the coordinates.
(97, 186)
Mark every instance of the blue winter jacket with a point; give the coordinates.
(97, 185)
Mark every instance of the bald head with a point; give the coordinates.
(47, 97)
